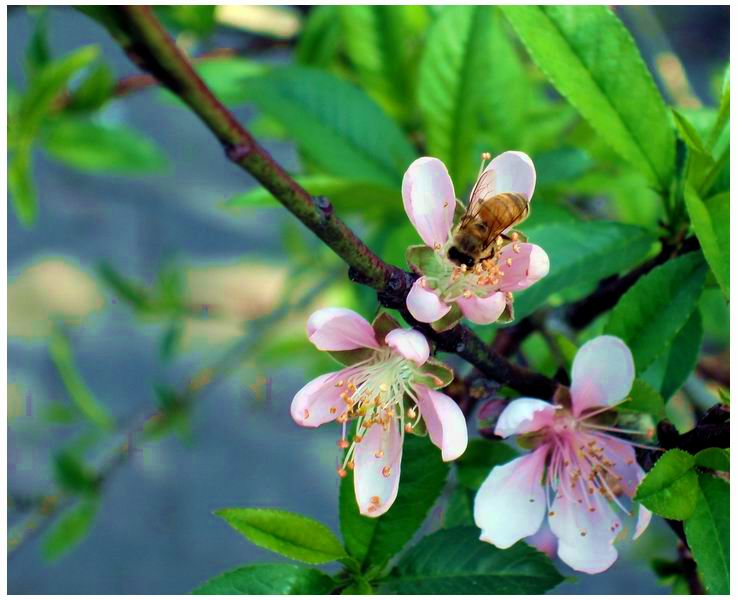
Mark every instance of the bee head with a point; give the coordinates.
(459, 257)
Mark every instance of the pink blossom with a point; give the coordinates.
(578, 472)
(483, 294)
(387, 387)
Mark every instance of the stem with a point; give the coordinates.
(148, 45)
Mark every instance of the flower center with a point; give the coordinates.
(374, 394)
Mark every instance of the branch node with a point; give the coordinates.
(323, 205)
(237, 152)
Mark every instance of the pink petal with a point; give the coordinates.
(377, 469)
(524, 415)
(585, 537)
(410, 343)
(511, 503)
(602, 373)
(429, 199)
(312, 405)
(544, 540)
(445, 422)
(527, 266)
(482, 311)
(514, 173)
(425, 305)
(340, 329)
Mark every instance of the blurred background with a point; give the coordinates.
(157, 300)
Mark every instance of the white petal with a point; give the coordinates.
(340, 329)
(312, 404)
(511, 503)
(429, 199)
(524, 415)
(374, 486)
(410, 343)
(514, 172)
(445, 422)
(425, 305)
(602, 373)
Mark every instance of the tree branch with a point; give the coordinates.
(148, 45)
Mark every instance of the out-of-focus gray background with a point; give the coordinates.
(155, 532)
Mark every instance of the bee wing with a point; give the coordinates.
(509, 210)
(483, 188)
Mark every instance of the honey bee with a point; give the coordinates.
(486, 221)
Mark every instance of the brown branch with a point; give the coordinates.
(148, 45)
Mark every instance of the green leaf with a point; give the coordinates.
(94, 91)
(575, 47)
(716, 459)
(61, 353)
(450, 91)
(69, 529)
(268, 579)
(101, 148)
(47, 86)
(473, 467)
(650, 315)
(285, 533)
(682, 355)
(73, 475)
(38, 53)
(373, 541)
(455, 561)
(336, 125)
(20, 184)
(689, 134)
(377, 42)
(711, 222)
(708, 533)
(320, 38)
(459, 509)
(670, 488)
(581, 253)
(723, 112)
(346, 195)
(644, 399)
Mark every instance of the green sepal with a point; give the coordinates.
(424, 260)
(350, 357)
(420, 429)
(434, 374)
(382, 324)
(508, 314)
(449, 320)
(459, 211)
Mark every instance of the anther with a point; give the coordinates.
(508, 262)
(551, 514)
(411, 413)
(358, 438)
(516, 248)
(467, 294)
(408, 428)
(436, 246)
(583, 533)
(386, 471)
(462, 268)
(383, 387)
(514, 236)
(341, 472)
(342, 443)
(379, 454)
(333, 410)
(374, 500)
(486, 156)
(307, 414)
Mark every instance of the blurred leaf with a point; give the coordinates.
(320, 38)
(59, 413)
(561, 166)
(670, 488)
(644, 399)
(683, 354)
(574, 46)
(172, 338)
(101, 148)
(579, 253)
(196, 19)
(38, 53)
(455, 561)
(73, 475)
(716, 459)
(723, 114)
(61, 353)
(359, 586)
(69, 529)
(373, 541)
(450, 93)
(346, 195)
(377, 39)
(335, 124)
(228, 78)
(480, 457)
(268, 579)
(651, 313)
(94, 91)
(46, 88)
(708, 533)
(711, 222)
(285, 533)
(20, 184)
(127, 289)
